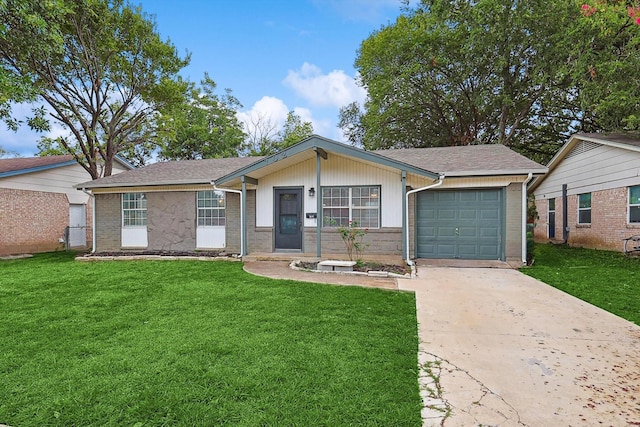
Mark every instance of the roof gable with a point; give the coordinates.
(583, 142)
(320, 144)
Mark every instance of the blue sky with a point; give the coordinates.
(275, 55)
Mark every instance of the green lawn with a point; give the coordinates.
(186, 343)
(605, 279)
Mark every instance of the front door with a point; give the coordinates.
(77, 226)
(288, 220)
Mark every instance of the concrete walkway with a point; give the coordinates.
(500, 348)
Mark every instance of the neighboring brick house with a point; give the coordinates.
(448, 202)
(38, 202)
(597, 178)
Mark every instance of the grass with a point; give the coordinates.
(184, 343)
(608, 280)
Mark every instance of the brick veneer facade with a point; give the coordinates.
(172, 218)
(609, 221)
(32, 221)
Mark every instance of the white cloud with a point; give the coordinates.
(267, 110)
(335, 89)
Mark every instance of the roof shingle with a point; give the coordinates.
(22, 163)
(468, 159)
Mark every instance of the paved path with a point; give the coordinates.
(509, 350)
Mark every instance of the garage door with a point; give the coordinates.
(465, 224)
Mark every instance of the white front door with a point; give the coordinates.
(77, 225)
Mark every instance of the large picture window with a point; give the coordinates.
(358, 204)
(134, 210)
(211, 208)
(584, 208)
(634, 204)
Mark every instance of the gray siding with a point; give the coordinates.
(591, 168)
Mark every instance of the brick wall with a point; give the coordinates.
(108, 222)
(608, 221)
(513, 244)
(32, 221)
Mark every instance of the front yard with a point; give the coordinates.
(153, 343)
(608, 280)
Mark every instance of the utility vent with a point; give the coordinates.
(582, 147)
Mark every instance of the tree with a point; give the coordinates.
(264, 140)
(470, 72)
(205, 126)
(42, 35)
(607, 64)
(107, 81)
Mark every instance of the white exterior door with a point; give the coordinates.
(77, 225)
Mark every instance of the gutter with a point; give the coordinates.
(524, 217)
(93, 218)
(228, 190)
(437, 184)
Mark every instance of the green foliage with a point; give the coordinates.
(100, 66)
(606, 279)
(493, 71)
(264, 141)
(353, 236)
(205, 126)
(606, 64)
(188, 343)
(531, 246)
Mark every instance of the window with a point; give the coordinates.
(134, 210)
(343, 204)
(211, 208)
(634, 204)
(584, 208)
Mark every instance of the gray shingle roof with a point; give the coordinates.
(466, 160)
(621, 138)
(25, 163)
(173, 172)
(462, 161)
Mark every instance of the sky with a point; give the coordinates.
(275, 55)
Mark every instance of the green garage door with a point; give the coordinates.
(465, 224)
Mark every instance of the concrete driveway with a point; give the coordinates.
(498, 348)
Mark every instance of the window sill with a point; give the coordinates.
(634, 225)
(583, 225)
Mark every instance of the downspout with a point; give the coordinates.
(524, 217)
(437, 184)
(228, 190)
(93, 219)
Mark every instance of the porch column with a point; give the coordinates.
(243, 216)
(405, 226)
(320, 154)
(243, 210)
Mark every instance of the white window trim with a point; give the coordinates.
(122, 210)
(630, 205)
(351, 207)
(585, 209)
(218, 208)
